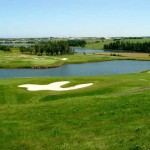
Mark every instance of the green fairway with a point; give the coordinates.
(18, 60)
(111, 114)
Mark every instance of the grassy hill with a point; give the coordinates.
(99, 44)
(111, 114)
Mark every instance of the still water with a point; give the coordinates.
(81, 50)
(86, 69)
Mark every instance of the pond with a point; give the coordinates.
(81, 50)
(86, 69)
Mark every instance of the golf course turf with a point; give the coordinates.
(15, 59)
(110, 114)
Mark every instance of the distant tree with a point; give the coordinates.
(75, 43)
(31, 49)
(36, 49)
(48, 48)
(5, 48)
(128, 46)
(23, 49)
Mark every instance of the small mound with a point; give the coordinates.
(56, 86)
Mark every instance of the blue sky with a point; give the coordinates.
(80, 18)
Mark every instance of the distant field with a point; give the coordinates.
(111, 114)
(99, 44)
(96, 44)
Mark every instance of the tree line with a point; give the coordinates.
(129, 46)
(76, 43)
(48, 48)
(4, 48)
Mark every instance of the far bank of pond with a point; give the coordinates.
(86, 69)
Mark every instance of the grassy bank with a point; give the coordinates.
(15, 59)
(107, 115)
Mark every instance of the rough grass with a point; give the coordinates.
(95, 117)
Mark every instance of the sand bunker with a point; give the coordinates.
(56, 86)
(64, 59)
(61, 58)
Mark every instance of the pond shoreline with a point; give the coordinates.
(66, 63)
(84, 69)
(46, 67)
(19, 61)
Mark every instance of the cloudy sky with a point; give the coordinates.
(80, 18)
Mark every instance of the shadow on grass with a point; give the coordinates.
(75, 94)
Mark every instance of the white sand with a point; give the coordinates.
(56, 86)
(61, 58)
(64, 59)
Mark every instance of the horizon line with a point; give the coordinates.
(75, 37)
